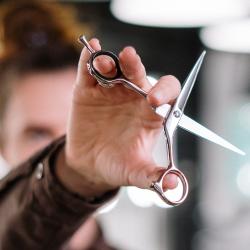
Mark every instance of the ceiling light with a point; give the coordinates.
(231, 37)
(177, 13)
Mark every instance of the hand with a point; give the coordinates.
(112, 132)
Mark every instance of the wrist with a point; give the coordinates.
(84, 185)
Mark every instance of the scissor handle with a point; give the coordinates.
(158, 187)
(104, 80)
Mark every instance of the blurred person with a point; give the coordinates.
(56, 188)
(38, 64)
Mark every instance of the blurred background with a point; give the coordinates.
(169, 36)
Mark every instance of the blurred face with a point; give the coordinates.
(36, 113)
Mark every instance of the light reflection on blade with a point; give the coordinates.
(163, 110)
(197, 129)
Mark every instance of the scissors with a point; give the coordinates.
(173, 116)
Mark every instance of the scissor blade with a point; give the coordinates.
(189, 83)
(197, 129)
(163, 110)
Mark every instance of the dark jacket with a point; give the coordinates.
(36, 211)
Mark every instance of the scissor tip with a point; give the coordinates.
(237, 150)
(202, 55)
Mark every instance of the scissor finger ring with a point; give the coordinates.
(117, 76)
(158, 187)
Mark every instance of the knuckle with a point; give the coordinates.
(172, 82)
(170, 79)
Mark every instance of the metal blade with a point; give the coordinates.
(189, 83)
(163, 110)
(197, 129)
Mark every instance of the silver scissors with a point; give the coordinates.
(173, 116)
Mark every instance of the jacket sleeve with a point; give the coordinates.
(36, 211)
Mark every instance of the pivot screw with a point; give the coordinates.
(177, 114)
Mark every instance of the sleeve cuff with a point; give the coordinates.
(55, 199)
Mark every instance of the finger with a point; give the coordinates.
(165, 91)
(105, 65)
(170, 181)
(148, 172)
(83, 76)
(133, 69)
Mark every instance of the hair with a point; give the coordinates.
(36, 37)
